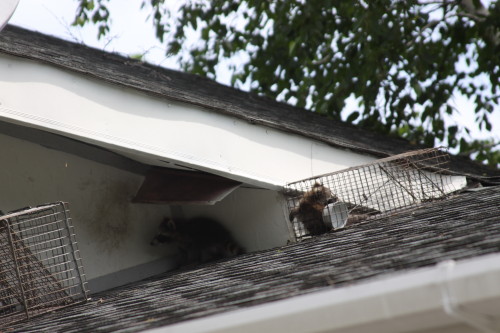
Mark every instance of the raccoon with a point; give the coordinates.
(198, 240)
(310, 209)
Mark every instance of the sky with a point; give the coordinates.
(131, 34)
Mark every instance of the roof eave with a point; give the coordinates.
(156, 81)
(423, 299)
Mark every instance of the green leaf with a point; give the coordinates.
(403, 70)
(353, 117)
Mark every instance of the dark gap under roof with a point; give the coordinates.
(183, 187)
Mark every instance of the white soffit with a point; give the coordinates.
(157, 132)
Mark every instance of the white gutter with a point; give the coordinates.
(463, 296)
(483, 323)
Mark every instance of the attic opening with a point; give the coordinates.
(387, 186)
(173, 186)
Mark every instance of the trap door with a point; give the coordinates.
(386, 186)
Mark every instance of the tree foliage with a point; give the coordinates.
(403, 62)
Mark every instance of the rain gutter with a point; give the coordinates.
(454, 294)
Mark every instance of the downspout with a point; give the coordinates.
(453, 308)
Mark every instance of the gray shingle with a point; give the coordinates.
(195, 90)
(461, 227)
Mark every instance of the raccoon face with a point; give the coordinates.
(168, 233)
(321, 194)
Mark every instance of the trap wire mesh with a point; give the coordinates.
(40, 265)
(386, 186)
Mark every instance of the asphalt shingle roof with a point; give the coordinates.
(460, 227)
(203, 92)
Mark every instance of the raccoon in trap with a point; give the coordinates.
(198, 240)
(310, 209)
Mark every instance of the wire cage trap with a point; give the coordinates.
(386, 186)
(40, 264)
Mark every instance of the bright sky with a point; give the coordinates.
(132, 35)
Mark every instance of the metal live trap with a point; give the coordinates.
(386, 186)
(40, 265)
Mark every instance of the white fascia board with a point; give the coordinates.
(405, 302)
(157, 131)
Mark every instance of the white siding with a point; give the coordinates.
(112, 233)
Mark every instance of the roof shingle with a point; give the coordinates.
(203, 92)
(461, 227)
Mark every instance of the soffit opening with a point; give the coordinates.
(171, 186)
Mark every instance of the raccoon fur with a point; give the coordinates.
(198, 240)
(310, 209)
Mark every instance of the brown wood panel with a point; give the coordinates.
(171, 186)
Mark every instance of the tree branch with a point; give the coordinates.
(479, 14)
(470, 8)
(322, 61)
